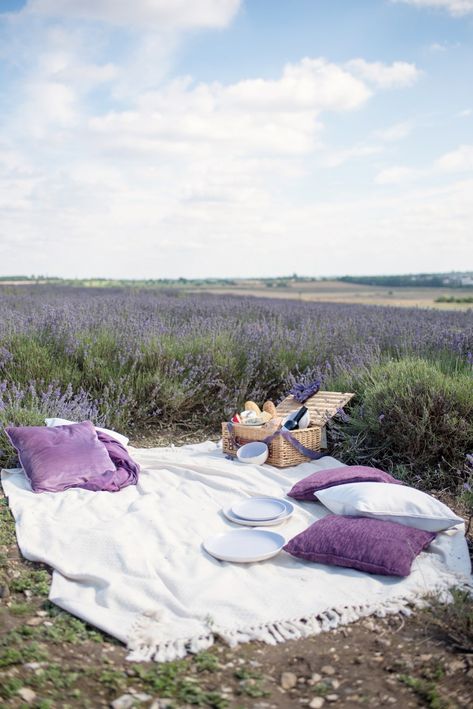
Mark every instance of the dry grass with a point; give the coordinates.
(340, 292)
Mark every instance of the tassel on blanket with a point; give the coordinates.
(150, 638)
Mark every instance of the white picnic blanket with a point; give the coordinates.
(132, 563)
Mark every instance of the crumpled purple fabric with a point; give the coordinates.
(126, 470)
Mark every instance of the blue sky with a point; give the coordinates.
(235, 138)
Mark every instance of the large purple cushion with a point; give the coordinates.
(322, 479)
(58, 458)
(361, 543)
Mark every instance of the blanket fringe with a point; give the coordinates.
(148, 640)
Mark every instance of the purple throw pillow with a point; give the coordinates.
(361, 543)
(60, 457)
(322, 479)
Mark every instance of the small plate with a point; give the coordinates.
(260, 523)
(253, 422)
(244, 546)
(259, 508)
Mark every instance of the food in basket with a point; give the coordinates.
(251, 406)
(270, 408)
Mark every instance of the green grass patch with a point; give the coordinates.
(35, 580)
(425, 690)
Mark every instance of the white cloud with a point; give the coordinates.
(385, 76)
(158, 14)
(336, 158)
(456, 161)
(466, 113)
(251, 117)
(397, 174)
(396, 132)
(309, 84)
(457, 8)
(459, 160)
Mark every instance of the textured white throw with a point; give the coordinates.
(132, 563)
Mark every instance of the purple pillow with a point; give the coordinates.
(60, 457)
(322, 479)
(361, 543)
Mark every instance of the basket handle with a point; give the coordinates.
(313, 455)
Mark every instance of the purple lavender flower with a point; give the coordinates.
(302, 392)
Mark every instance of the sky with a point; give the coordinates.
(235, 138)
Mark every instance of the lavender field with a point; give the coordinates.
(149, 359)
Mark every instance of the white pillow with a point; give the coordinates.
(392, 503)
(64, 422)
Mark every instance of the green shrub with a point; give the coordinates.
(413, 418)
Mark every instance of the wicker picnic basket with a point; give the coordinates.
(282, 453)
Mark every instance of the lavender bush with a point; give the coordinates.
(133, 358)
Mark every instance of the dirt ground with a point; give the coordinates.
(50, 659)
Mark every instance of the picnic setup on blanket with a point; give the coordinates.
(258, 537)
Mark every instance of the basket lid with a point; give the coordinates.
(322, 406)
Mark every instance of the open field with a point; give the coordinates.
(340, 292)
(167, 366)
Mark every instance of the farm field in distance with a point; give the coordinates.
(340, 292)
(168, 364)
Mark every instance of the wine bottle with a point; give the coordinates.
(293, 423)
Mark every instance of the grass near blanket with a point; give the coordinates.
(50, 659)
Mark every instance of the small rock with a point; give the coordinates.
(317, 703)
(391, 700)
(33, 665)
(315, 679)
(27, 694)
(455, 666)
(332, 697)
(161, 704)
(301, 680)
(378, 658)
(384, 642)
(328, 670)
(288, 680)
(124, 702)
(142, 697)
(34, 621)
(42, 614)
(335, 683)
(425, 658)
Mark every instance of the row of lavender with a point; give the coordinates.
(130, 358)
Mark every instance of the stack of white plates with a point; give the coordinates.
(249, 545)
(259, 511)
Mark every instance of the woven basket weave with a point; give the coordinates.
(282, 454)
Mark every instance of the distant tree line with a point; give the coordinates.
(421, 280)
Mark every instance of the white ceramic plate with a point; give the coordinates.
(260, 523)
(259, 508)
(244, 545)
(252, 422)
